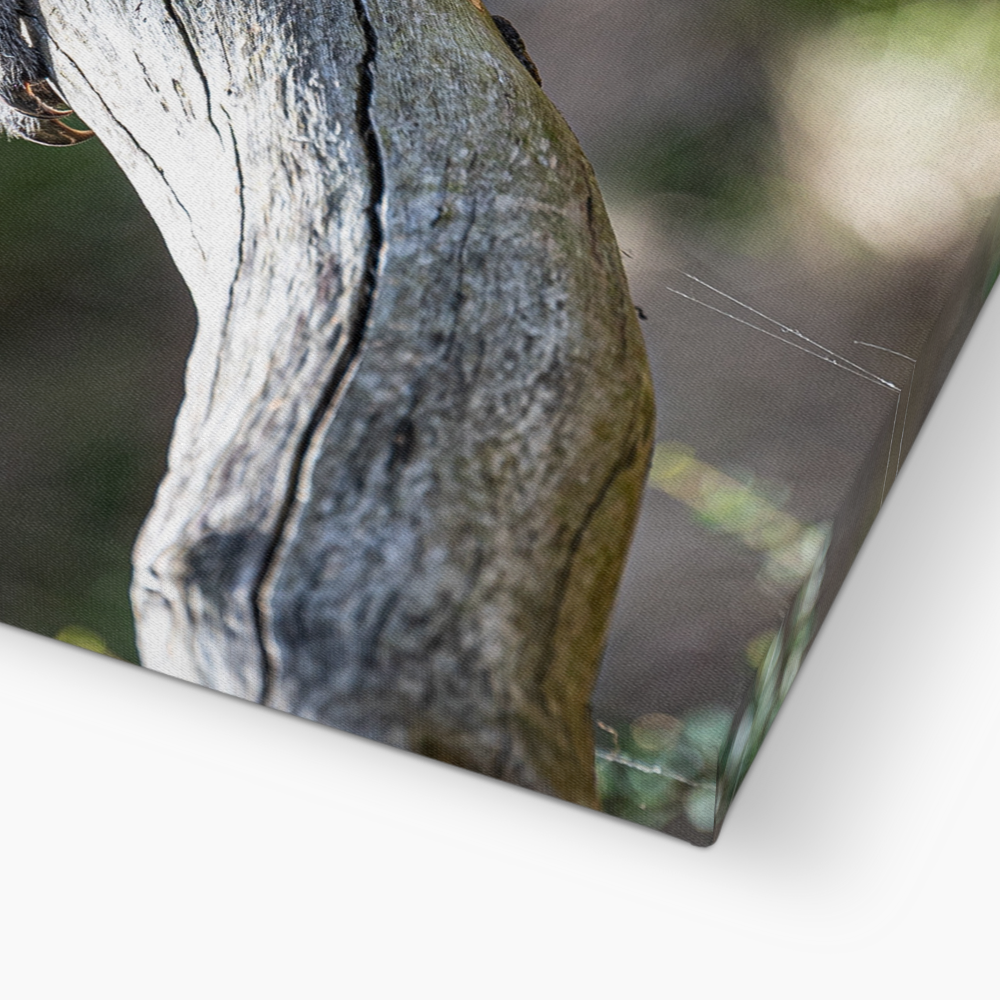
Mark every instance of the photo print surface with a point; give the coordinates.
(511, 386)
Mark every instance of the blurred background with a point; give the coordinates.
(95, 325)
(804, 195)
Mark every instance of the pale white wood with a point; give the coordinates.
(417, 414)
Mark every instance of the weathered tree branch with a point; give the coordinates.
(417, 413)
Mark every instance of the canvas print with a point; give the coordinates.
(512, 383)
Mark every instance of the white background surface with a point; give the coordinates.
(159, 840)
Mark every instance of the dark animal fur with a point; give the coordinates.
(29, 104)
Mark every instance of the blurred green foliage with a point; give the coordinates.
(658, 769)
(84, 638)
(94, 328)
(775, 675)
(749, 508)
(712, 163)
(798, 13)
(716, 164)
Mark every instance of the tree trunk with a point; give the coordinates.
(418, 413)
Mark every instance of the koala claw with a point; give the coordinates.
(26, 112)
(31, 99)
(30, 106)
(47, 131)
(51, 132)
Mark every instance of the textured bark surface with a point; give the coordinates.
(417, 412)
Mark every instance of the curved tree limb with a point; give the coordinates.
(418, 413)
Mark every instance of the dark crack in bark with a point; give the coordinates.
(359, 322)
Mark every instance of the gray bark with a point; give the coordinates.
(417, 413)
